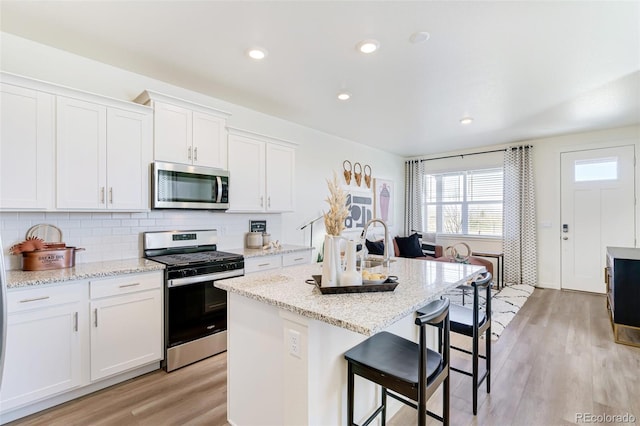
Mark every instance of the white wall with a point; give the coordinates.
(317, 156)
(547, 176)
(546, 161)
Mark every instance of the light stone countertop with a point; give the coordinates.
(366, 313)
(16, 279)
(284, 248)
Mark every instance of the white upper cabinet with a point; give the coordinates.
(64, 149)
(280, 176)
(186, 132)
(128, 159)
(102, 157)
(261, 173)
(26, 148)
(81, 154)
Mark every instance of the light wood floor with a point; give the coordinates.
(554, 360)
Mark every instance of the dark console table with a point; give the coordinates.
(622, 278)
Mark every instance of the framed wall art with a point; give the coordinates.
(383, 196)
(360, 205)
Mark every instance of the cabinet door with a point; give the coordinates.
(209, 140)
(126, 332)
(172, 133)
(246, 174)
(81, 154)
(280, 177)
(128, 147)
(44, 354)
(262, 263)
(26, 148)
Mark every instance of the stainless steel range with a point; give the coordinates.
(195, 310)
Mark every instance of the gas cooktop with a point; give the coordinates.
(181, 259)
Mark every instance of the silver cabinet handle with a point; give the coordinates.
(34, 299)
(195, 154)
(565, 238)
(269, 201)
(102, 195)
(111, 195)
(189, 153)
(263, 264)
(95, 321)
(75, 321)
(261, 201)
(298, 259)
(129, 285)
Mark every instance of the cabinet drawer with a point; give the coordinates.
(297, 258)
(42, 297)
(125, 284)
(262, 263)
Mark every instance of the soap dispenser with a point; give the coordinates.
(350, 276)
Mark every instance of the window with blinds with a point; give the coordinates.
(465, 203)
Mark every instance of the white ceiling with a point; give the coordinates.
(522, 69)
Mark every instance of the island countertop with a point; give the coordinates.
(366, 313)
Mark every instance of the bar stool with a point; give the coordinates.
(404, 367)
(473, 322)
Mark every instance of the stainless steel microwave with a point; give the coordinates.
(181, 186)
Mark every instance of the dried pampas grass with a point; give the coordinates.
(338, 212)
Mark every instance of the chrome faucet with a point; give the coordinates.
(363, 237)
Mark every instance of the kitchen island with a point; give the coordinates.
(286, 339)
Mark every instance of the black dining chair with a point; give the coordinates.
(473, 322)
(403, 367)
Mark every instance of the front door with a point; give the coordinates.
(597, 210)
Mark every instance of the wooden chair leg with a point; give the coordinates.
(474, 377)
(422, 409)
(488, 354)
(384, 407)
(350, 399)
(446, 402)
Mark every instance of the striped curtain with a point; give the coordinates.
(413, 194)
(519, 243)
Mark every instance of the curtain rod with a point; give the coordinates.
(475, 153)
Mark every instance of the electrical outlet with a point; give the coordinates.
(294, 343)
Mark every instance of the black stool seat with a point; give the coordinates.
(392, 355)
(461, 319)
(411, 371)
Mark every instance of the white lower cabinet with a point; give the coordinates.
(45, 333)
(262, 263)
(265, 263)
(69, 336)
(126, 324)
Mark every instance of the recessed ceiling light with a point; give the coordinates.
(419, 37)
(466, 120)
(344, 96)
(256, 53)
(368, 46)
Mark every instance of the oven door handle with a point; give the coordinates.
(208, 277)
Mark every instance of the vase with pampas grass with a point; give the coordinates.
(334, 225)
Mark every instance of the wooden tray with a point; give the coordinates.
(389, 285)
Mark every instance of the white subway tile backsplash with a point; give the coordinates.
(56, 215)
(116, 236)
(31, 216)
